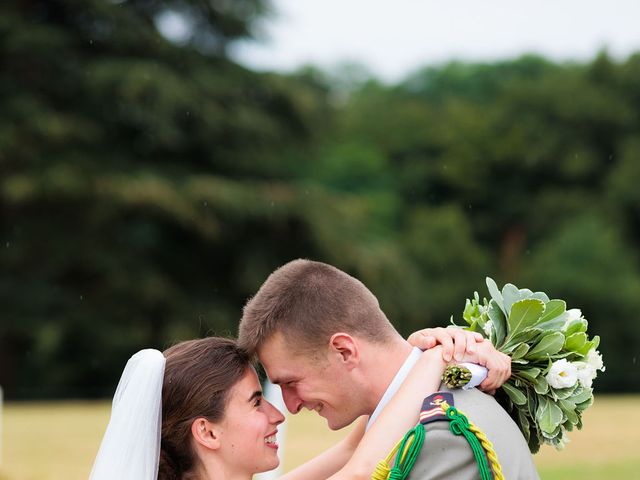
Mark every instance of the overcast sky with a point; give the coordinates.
(395, 37)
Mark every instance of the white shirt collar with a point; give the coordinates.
(395, 384)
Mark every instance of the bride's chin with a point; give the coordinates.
(271, 464)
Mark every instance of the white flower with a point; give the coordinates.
(586, 373)
(574, 314)
(562, 374)
(488, 327)
(595, 360)
(571, 316)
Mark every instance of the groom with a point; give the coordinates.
(323, 338)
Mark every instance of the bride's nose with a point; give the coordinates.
(275, 415)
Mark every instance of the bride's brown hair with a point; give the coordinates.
(197, 378)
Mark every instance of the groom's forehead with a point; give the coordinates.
(280, 359)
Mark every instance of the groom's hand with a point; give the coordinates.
(455, 341)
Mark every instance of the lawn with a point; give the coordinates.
(56, 441)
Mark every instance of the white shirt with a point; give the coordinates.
(395, 384)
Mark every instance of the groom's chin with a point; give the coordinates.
(338, 424)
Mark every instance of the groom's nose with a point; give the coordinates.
(292, 401)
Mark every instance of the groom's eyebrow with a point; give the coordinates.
(282, 380)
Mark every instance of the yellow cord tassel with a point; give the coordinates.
(383, 469)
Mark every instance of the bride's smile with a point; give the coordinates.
(248, 429)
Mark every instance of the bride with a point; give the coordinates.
(196, 412)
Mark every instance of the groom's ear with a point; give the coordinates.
(206, 433)
(345, 348)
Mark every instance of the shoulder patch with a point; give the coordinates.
(431, 410)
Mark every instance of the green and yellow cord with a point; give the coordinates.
(410, 446)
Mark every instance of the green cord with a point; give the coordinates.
(405, 460)
(459, 425)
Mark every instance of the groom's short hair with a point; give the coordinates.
(307, 302)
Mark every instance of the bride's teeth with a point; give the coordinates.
(270, 439)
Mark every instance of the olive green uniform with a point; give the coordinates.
(448, 456)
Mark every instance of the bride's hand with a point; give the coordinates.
(497, 363)
(462, 345)
(455, 341)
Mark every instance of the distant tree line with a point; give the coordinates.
(148, 186)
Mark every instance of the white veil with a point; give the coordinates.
(130, 448)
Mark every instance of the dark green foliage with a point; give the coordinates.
(148, 187)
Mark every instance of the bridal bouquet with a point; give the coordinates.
(553, 360)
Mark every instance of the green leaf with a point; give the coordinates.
(569, 409)
(579, 325)
(510, 295)
(530, 373)
(523, 337)
(495, 293)
(552, 310)
(524, 424)
(524, 314)
(575, 342)
(549, 345)
(593, 344)
(581, 407)
(496, 315)
(540, 296)
(541, 386)
(549, 416)
(514, 394)
(581, 395)
(520, 351)
(563, 393)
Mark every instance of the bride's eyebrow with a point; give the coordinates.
(256, 394)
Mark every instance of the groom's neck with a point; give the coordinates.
(383, 363)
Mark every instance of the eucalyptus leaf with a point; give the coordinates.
(581, 407)
(530, 373)
(563, 393)
(581, 395)
(541, 386)
(520, 351)
(548, 345)
(552, 436)
(524, 425)
(549, 416)
(554, 324)
(589, 346)
(514, 394)
(524, 314)
(553, 309)
(568, 408)
(510, 295)
(497, 317)
(575, 326)
(523, 337)
(575, 342)
(540, 296)
(495, 294)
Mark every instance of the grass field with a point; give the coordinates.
(57, 441)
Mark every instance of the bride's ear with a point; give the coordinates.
(206, 433)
